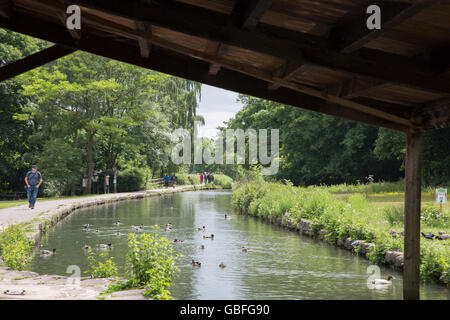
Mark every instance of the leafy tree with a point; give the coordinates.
(14, 133)
(117, 111)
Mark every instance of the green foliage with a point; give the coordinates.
(187, 179)
(355, 218)
(224, 181)
(432, 217)
(60, 160)
(132, 179)
(100, 266)
(321, 149)
(84, 113)
(15, 247)
(150, 264)
(394, 215)
(119, 286)
(435, 263)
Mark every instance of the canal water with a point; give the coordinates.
(280, 264)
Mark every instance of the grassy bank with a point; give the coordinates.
(220, 180)
(353, 217)
(397, 187)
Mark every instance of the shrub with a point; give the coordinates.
(186, 179)
(150, 264)
(394, 215)
(15, 247)
(432, 216)
(434, 264)
(224, 181)
(129, 180)
(98, 269)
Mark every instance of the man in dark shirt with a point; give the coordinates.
(174, 180)
(33, 179)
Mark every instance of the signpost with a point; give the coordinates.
(441, 197)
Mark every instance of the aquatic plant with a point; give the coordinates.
(100, 266)
(151, 264)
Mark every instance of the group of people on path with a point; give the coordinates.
(207, 177)
(167, 179)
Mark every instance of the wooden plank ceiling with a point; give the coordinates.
(316, 55)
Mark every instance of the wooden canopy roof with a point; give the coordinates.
(316, 55)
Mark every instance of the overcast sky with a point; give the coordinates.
(217, 105)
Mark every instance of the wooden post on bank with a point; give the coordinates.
(411, 275)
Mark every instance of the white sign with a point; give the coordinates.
(441, 196)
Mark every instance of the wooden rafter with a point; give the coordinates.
(440, 60)
(5, 8)
(356, 87)
(287, 45)
(287, 71)
(354, 35)
(144, 45)
(183, 67)
(253, 12)
(253, 72)
(74, 33)
(220, 52)
(436, 114)
(33, 61)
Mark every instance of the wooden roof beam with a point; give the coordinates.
(144, 45)
(252, 11)
(356, 87)
(221, 51)
(285, 44)
(193, 69)
(287, 71)
(354, 35)
(33, 61)
(436, 114)
(74, 33)
(6, 8)
(440, 60)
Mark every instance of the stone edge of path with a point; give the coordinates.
(54, 287)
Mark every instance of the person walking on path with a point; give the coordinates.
(166, 180)
(201, 178)
(33, 179)
(204, 177)
(174, 180)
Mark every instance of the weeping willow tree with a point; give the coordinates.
(181, 98)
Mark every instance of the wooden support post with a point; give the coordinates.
(411, 276)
